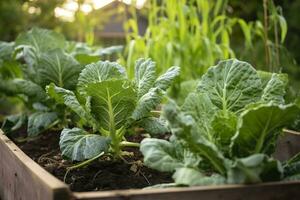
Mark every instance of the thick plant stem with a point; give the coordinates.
(112, 129)
(129, 144)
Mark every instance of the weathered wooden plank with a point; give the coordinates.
(288, 145)
(22, 178)
(266, 191)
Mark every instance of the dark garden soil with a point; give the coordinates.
(104, 174)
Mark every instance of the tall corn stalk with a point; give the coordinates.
(192, 34)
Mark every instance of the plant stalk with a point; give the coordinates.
(267, 50)
(82, 164)
(129, 144)
(115, 142)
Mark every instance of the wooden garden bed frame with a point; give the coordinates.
(22, 178)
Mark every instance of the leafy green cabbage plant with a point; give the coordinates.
(43, 60)
(226, 130)
(39, 57)
(109, 104)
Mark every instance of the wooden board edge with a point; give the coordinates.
(57, 188)
(215, 192)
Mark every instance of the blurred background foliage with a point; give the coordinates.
(288, 54)
(105, 22)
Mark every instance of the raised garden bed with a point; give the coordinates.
(22, 178)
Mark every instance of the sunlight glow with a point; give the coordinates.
(86, 8)
(67, 11)
(71, 5)
(139, 3)
(101, 3)
(34, 10)
(64, 14)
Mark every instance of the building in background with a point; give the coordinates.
(116, 14)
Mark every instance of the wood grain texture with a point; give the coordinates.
(267, 191)
(288, 145)
(23, 179)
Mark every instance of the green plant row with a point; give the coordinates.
(95, 104)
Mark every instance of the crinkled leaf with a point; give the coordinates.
(112, 102)
(77, 144)
(8, 87)
(160, 155)
(192, 177)
(31, 44)
(145, 75)
(6, 50)
(98, 72)
(200, 107)
(153, 125)
(39, 122)
(260, 126)
(254, 169)
(231, 85)
(30, 89)
(30, 56)
(10, 69)
(25, 87)
(38, 106)
(57, 67)
(275, 89)
(147, 102)
(164, 81)
(207, 150)
(67, 97)
(13, 123)
(41, 39)
(184, 127)
(264, 77)
(186, 87)
(224, 125)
